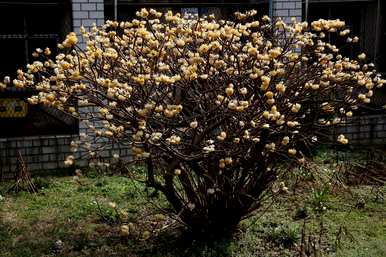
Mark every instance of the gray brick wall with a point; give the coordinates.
(286, 9)
(38, 152)
(86, 13)
(369, 129)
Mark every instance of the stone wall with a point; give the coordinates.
(38, 153)
(286, 9)
(365, 130)
(86, 13)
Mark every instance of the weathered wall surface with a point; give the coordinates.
(365, 130)
(38, 152)
(286, 9)
(86, 13)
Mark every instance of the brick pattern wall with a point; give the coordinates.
(286, 9)
(38, 152)
(86, 13)
(364, 130)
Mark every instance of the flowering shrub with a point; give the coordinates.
(212, 107)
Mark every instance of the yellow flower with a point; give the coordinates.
(270, 147)
(265, 80)
(229, 90)
(70, 40)
(296, 107)
(292, 151)
(124, 230)
(193, 124)
(269, 95)
(342, 139)
(228, 160)
(210, 191)
(285, 140)
(280, 87)
(113, 205)
(222, 136)
(47, 51)
(362, 56)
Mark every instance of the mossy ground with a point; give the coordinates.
(317, 215)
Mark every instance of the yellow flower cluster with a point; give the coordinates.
(200, 86)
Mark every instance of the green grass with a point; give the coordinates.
(79, 214)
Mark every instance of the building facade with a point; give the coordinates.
(43, 135)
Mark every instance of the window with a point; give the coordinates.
(25, 26)
(366, 19)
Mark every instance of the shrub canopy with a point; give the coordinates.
(211, 106)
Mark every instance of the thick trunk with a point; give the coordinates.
(214, 223)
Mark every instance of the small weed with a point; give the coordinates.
(41, 182)
(286, 235)
(319, 198)
(301, 213)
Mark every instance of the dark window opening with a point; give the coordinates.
(25, 26)
(367, 21)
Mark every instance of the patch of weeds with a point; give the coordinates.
(319, 198)
(108, 214)
(41, 183)
(286, 235)
(301, 213)
(4, 233)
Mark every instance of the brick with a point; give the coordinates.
(295, 13)
(96, 15)
(36, 158)
(61, 156)
(287, 20)
(64, 149)
(88, 7)
(53, 157)
(95, 1)
(100, 22)
(49, 165)
(281, 13)
(288, 5)
(28, 143)
(44, 158)
(80, 15)
(36, 143)
(88, 22)
(47, 149)
(76, 22)
(35, 167)
(13, 160)
(75, 7)
(100, 7)
(12, 170)
(277, 5)
(22, 151)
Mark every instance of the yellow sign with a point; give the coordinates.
(13, 108)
